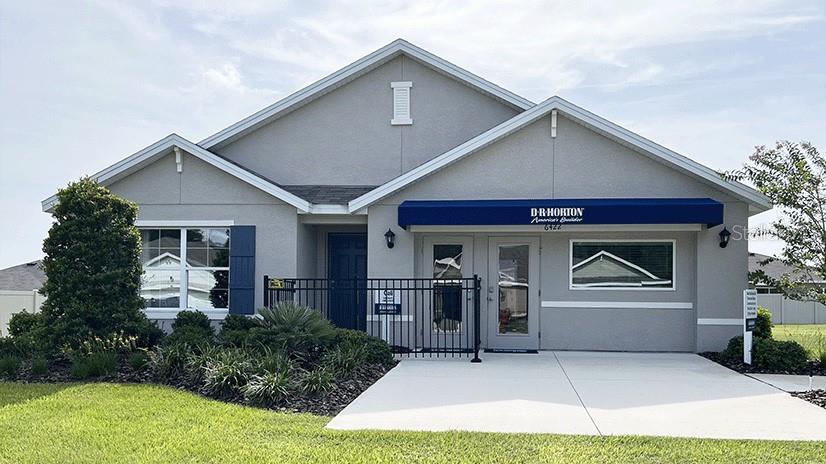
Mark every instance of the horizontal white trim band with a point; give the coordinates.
(718, 321)
(617, 305)
(394, 318)
(19, 292)
(565, 228)
(170, 313)
(205, 223)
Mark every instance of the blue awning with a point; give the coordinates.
(561, 212)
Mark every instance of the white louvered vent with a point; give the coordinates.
(401, 103)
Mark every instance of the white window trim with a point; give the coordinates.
(183, 298)
(672, 241)
(181, 224)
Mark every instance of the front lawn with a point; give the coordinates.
(811, 336)
(144, 423)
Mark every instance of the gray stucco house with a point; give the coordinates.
(575, 232)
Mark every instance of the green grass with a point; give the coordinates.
(140, 424)
(812, 337)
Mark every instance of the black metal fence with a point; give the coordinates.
(416, 316)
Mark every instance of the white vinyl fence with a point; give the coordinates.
(788, 311)
(14, 301)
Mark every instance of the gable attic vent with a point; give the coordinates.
(401, 103)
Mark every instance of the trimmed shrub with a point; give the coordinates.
(40, 366)
(376, 350)
(775, 355)
(734, 351)
(768, 354)
(93, 266)
(93, 365)
(191, 336)
(9, 364)
(294, 328)
(7, 347)
(192, 319)
(28, 335)
(317, 381)
(267, 389)
(24, 322)
(763, 324)
(138, 360)
(235, 329)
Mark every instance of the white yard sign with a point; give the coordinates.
(749, 319)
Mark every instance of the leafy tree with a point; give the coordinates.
(93, 268)
(793, 176)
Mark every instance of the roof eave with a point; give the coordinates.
(756, 200)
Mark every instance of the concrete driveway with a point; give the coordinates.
(664, 394)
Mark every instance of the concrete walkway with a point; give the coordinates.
(792, 383)
(663, 394)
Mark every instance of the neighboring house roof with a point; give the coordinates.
(23, 277)
(328, 194)
(757, 201)
(774, 269)
(622, 272)
(165, 146)
(352, 71)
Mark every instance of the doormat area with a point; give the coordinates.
(495, 350)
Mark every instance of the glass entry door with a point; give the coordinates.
(513, 293)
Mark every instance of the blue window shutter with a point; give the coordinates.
(242, 270)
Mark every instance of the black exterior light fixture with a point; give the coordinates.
(725, 235)
(390, 238)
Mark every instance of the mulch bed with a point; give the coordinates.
(817, 397)
(813, 367)
(342, 391)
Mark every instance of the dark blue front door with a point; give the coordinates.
(347, 273)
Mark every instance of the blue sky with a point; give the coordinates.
(86, 83)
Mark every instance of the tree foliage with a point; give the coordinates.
(93, 267)
(793, 176)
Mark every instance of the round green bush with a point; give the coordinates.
(191, 319)
(763, 324)
(376, 350)
(190, 335)
(235, 329)
(776, 355)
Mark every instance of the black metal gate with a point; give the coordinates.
(416, 316)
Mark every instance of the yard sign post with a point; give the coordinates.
(749, 319)
(386, 304)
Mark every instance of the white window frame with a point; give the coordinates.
(672, 241)
(183, 298)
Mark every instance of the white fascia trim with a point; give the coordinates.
(617, 305)
(205, 223)
(135, 161)
(718, 321)
(759, 201)
(170, 313)
(352, 70)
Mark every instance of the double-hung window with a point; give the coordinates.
(622, 264)
(185, 268)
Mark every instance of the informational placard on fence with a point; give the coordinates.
(749, 320)
(387, 302)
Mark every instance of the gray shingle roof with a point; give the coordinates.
(328, 194)
(23, 277)
(774, 269)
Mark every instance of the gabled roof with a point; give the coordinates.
(757, 201)
(328, 194)
(165, 146)
(352, 71)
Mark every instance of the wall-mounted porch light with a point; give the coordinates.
(725, 235)
(390, 238)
